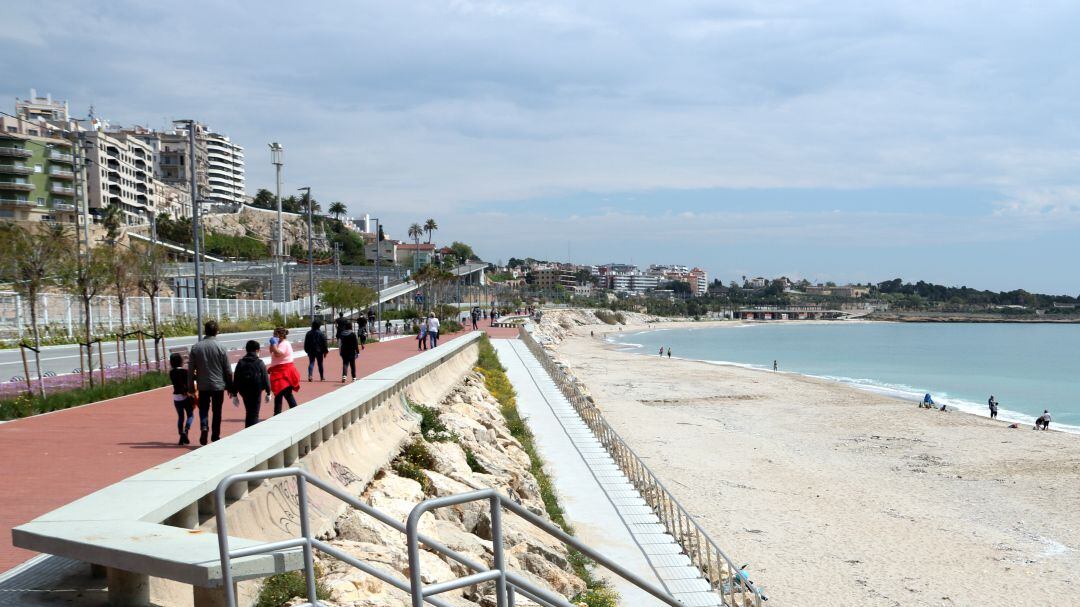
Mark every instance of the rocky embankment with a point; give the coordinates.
(556, 325)
(464, 445)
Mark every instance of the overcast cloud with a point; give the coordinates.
(645, 130)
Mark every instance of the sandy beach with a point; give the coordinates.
(836, 496)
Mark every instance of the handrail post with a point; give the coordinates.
(305, 530)
(498, 550)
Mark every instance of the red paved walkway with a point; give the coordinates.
(51, 460)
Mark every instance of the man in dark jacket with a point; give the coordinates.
(251, 381)
(349, 349)
(315, 347)
(209, 369)
(362, 329)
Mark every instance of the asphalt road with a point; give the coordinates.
(65, 359)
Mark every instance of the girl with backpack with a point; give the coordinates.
(251, 380)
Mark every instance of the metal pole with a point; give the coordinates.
(192, 165)
(310, 254)
(275, 157)
(378, 279)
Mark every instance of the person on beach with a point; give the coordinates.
(927, 402)
(181, 397)
(775, 366)
(316, 348)
(993, 407)
(251, 381)
(284, 379)
(349, 349)
(421, 335)
(1043, 422)
(661, 350)
(668, 351)
(433, 330)
(209, 370)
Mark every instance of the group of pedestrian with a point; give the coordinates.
(427, 334)
(662, 351)
(209, 376)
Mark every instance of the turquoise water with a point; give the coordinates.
(1027, 367)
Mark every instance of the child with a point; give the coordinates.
(182, 400)
(421, 336)
(250, 381)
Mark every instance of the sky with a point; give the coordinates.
(839, 140)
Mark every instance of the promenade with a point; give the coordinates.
(55, 458)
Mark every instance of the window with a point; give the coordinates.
(32, 132)
(38, 168)
(41, 202)
(7, 213)
(11, 129)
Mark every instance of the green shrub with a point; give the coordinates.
(431, 426)
(282, 588)
(474, 464)
(413, 460)
(600, 595)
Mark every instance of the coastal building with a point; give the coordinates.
(412, 254)
(387, 251)
(699, 282)
(119, 173)
(36, 109)
(225, 170)
(550, 277)
(171, 200)
(37, 174)
(848, 291)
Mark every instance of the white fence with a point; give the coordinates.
(62, 315)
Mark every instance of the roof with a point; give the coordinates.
(423, 246)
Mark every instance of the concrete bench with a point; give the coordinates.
(146, 525)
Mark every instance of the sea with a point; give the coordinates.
(1026, 367)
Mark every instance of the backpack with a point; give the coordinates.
(247, 376)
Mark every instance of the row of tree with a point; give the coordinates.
(36, 259)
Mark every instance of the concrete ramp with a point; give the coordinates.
(606, 510)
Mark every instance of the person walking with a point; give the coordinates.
(661, 351)
(993, 407)
(349, 349)
(775, 366)
(362, 330)
(371, 317)
(251, 381)
(284, 379)
(181, 397)
(209, 371)
(316, 348)
(433, 330)
(474, 316)
(421, 335)
(669, 352)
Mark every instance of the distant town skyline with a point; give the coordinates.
(845, 141)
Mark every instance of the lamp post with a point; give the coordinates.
(195, 240)
(310, 256)
(378, 278)
(276, 153)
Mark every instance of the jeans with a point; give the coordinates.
(206, 399)
(285, 394)
(434, 337)
(311, 365)
(348, 364)
(252, 402)
(185, 414)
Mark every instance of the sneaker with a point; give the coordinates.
(342, 379)
(202, 436)
(181, 441)
(354, 379)
(309, 379)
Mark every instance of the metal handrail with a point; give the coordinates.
(308, 543)
(505, 581)
(729, 582)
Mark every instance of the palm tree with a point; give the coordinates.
(430, 226)
(337, 209)
(415, 232)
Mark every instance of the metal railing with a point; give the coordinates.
(508, 583)
(725, 579)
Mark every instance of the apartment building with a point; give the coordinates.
(699, 282)
(224, 169)
(171, 200)
(37, 172)
(550, 277)
(120, 172)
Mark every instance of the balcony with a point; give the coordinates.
(63, 206)
(18, 186)
(56, 188)
(141, 165)
(15, 169)
(15, 202)
(113, 164)
(13, 152)
(56, 173)
(58, 157)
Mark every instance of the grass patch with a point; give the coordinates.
(598, 593)
(282, 588)
(431, 426)
(413, 460)
(474, 464)
(26, 405)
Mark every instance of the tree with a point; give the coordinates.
(28, 261)
(415, 232)
(122, 281)
(150, 280)
(430, 226)
(337, 209)
(345, 295)
(462, 252)
(84, 274)
(264, 199)
(112, 219)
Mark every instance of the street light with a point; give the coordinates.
(378, 278)
(193, 165)
(310, 257)
(276, 152)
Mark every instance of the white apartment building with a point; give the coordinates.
(120, 172)
(225, 169)
(171, 200)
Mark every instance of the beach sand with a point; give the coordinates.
(836, 496)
